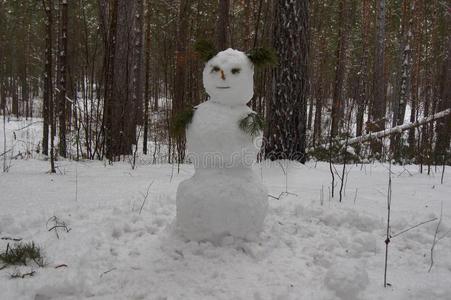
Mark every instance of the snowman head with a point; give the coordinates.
(228, 76)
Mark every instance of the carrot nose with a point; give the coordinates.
(222, 75)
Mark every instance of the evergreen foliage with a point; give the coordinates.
(261, 57)
(181, 121)
(252, 124)
(205, 49)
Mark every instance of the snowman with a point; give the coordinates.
(224, 197)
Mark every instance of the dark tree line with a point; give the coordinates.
(107, 76)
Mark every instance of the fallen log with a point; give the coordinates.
(390, 131)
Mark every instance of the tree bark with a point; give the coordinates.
(222, 26)
(399, 110)
(62, 87)
(362, 100)
(180, 70)
(443, 128)
(378, 105)
(48, 78)
(287, 108)
(338, 101)
(147, 76)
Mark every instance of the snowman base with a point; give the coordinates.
(215, 203)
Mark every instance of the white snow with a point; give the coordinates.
(306, 250)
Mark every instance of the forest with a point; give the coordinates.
(108, 77)
(225, 149)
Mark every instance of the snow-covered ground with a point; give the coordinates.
(308, 249)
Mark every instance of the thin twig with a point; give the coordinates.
(61, 266)
(145, 197)
(415, 226)
(7, 238)
(434, 243)
(108, 271)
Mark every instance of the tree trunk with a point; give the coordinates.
(378, 105)
(147, 77)
(443, 128)
(62, 87)
(399, 110)
(48, 78)
(15, 97)
(180, 70)
(338, 101)
(287, 108)
(362, 100)
(110, 50)
(222, 27)
(138, 61)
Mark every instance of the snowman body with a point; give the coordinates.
(224, 196)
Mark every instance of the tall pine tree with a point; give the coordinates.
(287, 114)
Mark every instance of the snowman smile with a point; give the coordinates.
(223, 87)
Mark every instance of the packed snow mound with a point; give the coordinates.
(214, 139)
(215, 203)
(347, 280)
(229, 78)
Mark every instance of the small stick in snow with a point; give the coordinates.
(281, 195)
(414, 226)
(145, 197)
(108, 271)
(57, 224)
(7, 238)
(321, 197)
(61, 266)
(434, 243)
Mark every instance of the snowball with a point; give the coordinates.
(214, 138)
(222, 84)
(215, 203)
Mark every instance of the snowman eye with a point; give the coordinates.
(215, 69)
(236, 70)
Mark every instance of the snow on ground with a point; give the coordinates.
(306, 251)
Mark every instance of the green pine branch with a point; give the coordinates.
(252, 124)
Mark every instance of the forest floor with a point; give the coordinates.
(121, 245)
